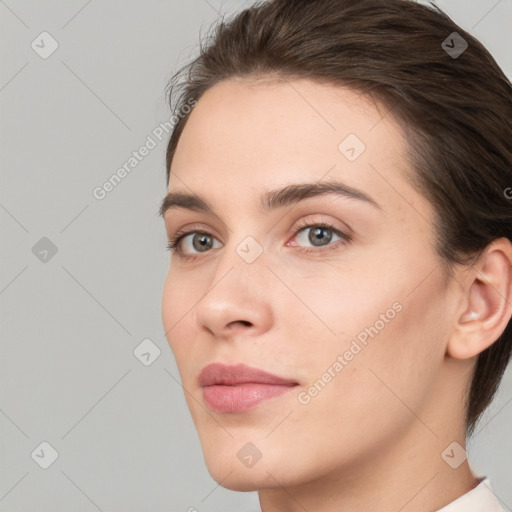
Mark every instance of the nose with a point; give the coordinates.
(237, 300)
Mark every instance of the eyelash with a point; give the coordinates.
(173, 245)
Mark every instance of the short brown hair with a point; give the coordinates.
(456, 112)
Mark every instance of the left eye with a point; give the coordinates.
(319, 235)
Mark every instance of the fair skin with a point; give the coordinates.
(372, 438)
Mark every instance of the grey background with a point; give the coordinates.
(70, 324)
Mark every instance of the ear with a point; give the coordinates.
(486, 305)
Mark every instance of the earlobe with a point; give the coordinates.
(487, 302)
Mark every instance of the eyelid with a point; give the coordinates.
(192, 228)
(319, 219)
(304, 221)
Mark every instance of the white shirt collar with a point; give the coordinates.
(480, 499)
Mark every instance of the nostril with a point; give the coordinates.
(244, 322)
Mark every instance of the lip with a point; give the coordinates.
(239, 388)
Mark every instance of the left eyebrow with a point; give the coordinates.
(277, 198)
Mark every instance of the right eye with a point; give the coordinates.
(185, 242)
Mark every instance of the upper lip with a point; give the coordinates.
(218, 373)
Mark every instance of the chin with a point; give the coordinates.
(225, 464)
(241, 479)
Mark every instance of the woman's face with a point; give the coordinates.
(339, 294)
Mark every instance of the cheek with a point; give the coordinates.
(336, 308)
(169, 303)
(376, 385)
(372, 338)
(178, 301)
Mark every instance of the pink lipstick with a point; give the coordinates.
(239, 388)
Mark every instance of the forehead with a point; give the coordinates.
(284, 114)
(248, 135)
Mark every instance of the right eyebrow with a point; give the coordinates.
(184, 200)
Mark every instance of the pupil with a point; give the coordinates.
(319, 236)
(203, 242)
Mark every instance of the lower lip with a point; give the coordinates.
(241, 397)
